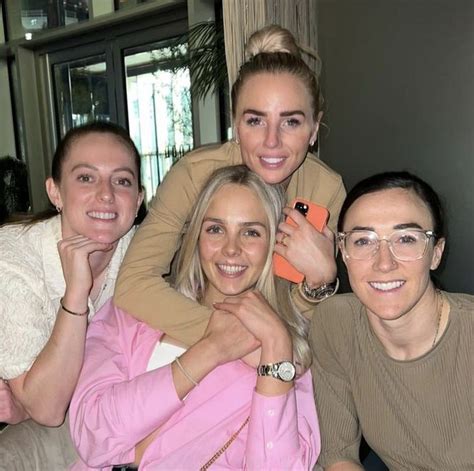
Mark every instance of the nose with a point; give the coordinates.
(231, 246)
(272, 136)
(384, 260)
(106, 192)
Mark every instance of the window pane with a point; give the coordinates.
(159, 107)
(81, 92)
(34, 16)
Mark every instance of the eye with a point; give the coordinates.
(292, 122)
(84, 178)
(252, 233)
(123, 181)
(406, 239)
(362, 241)
(214, 229)
(254, 121)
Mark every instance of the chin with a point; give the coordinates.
(105, 238)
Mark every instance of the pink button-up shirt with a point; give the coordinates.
(117, 403)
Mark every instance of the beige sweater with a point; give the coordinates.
(417, 414)
(140, 288)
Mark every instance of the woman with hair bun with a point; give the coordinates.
(276, 105)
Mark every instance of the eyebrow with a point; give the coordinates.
(245, 224)
(283, 113)
(115, 170)
(406, 225)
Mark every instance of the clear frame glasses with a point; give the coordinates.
(405, 244)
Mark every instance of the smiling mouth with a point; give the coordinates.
(386, 286)
(272, 161)
(231, 270)
(107, 216)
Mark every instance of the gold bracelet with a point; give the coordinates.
(65, 309)
(185, 373)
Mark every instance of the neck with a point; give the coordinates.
(415, 332)
(99, 261)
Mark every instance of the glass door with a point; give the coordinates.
(81, 92)
(136, 77)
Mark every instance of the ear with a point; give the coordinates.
(236, 135)
(53, 192)
(438, 250)
(141, 195)
(314, 134)
(344, 256)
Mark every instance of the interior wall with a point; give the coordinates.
(398, 78)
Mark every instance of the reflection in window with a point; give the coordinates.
(122, 4)
(44, 14)
(159, 108)
(81, 92)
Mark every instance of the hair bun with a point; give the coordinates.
(270, 39)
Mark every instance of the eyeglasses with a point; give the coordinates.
(405, 244)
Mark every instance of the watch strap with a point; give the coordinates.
(316, 295)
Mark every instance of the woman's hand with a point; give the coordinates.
(311, 252)
(11, 411)
(254, 312)
(263, 322)
(74, 253)
(229, 337)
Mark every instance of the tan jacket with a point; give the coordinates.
(141, 289)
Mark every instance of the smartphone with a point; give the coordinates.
(317, 216)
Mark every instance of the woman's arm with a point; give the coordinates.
(116, 403)
(11, 411)
(283, 430)
(44, 391)
(344, 466)
(140, 288)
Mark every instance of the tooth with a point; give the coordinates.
(102, 215)
(387, 286)
(231, 269)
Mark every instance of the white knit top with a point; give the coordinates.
(31, 285)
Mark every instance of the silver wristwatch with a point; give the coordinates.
(283, 370)
(320, 293)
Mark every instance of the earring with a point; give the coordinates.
(58, 209)
(236, 140)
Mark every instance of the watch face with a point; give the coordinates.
(286, 371)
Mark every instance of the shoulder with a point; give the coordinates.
(212, 156)
(23, 245)
(195, 167)
(333, 320)
(463, 303)
(111, 321)
(314, 166)
(317, 182)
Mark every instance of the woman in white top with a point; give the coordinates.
(57, 270)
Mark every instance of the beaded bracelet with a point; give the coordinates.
(185, 373)
(65, 309)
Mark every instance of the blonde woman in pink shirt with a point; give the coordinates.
(241, 397)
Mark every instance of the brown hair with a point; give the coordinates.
(274, 50)
(62, 151)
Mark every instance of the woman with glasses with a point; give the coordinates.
(394, 360)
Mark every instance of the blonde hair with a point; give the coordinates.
(271, 38)
(190, 278)
(274, 49)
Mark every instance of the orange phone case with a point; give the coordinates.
(317, 217)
